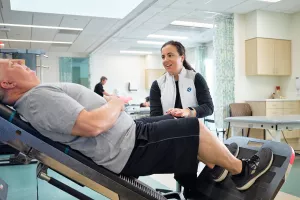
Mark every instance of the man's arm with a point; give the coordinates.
(106, 94)
(63, 115)
(95, 122)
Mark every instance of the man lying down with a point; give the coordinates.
(100, 129)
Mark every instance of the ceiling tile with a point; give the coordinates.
(65, 37)
(19, 45)
(14, 17)
(75, 21)
(40, 46)
(43, 34)
(188, 4)
(284, 5)
(19, 33)
(3, 35)
(99, 26)
(248, 6)
(164, 3)
(82, 43)
(44, 19)
(58, 48)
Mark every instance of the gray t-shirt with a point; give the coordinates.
(52, 109)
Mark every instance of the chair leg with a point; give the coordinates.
(248, 134)
(228, 131)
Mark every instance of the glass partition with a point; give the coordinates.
(74, 70)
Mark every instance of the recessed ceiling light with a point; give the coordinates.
(270, 1)
(192, 24)
(137, 52)
(36, 41)
(208, 1)
(150, 42)
(167, 37)
(91, 8)
(47, 27)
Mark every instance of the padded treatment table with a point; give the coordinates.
(265, 188)
(276, 123)
(82, 170)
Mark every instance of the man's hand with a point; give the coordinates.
(117, 102)
(176, 112)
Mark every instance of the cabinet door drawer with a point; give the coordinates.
(291, 134)
(275, 104)
(274, 112)
(291, 104)
(290, 111)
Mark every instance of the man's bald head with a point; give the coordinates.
(4, 63)
(15, 80)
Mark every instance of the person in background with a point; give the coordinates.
(180, 92)
(99, 87)
(146, 103)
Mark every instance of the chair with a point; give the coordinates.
(223, 131)
(239, 109)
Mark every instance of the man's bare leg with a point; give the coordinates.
(212, 150)
(211, 166)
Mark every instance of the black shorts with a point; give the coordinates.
(164, 145)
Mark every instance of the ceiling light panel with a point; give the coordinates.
(150, 42)
(137, 52)
(167, 37)
(192, 24)
(45, 27)
(93, 8)
(270, 1)
(36, 41)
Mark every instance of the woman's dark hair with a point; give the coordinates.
(181, 51)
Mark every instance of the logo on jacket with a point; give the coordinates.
(189, 89)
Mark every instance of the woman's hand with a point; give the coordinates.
(177, 112)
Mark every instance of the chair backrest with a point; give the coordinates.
(240, 109)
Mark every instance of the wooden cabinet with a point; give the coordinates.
(276, 108)
(151, 75)
(266, 56)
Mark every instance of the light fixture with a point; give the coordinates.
(270, 1)
(208, 1)
(150, 42)
(36, 41)
(136, 52)
(167, 37)
(46, 27)
(192, 24)
(90, 8)
(210, 12)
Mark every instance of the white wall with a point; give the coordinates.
(153, 62)
(288, 83)
(51, 74)
(120, 70)
(273, 25)
(251, 24)
(248, 87)
(268, 25)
